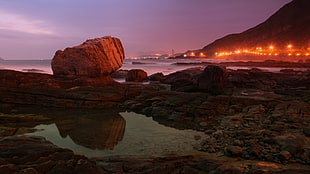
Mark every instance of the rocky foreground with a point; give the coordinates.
(254, 121)
(36, 155)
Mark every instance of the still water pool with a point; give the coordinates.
(127, 133)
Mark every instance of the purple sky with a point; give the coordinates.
(35, 29)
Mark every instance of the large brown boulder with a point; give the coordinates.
(94, 58)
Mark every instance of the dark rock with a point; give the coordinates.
(8, 169)
(183, 85)
(212, 79)
(36, 155)
(119, 74)
(156, 76)
(229, 169)
(173, 77)
(253, 78)
(136, 75)
(306, 131)
(13, 79)
(186, 75)
(284, 155)
(45, 90)
(233, 151)
(292, 143)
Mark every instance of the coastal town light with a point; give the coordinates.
(271, 47)
(270, 50)
(289, 46)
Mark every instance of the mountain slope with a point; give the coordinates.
(289, 25)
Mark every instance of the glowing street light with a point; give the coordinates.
(289, 46)
(271, 47)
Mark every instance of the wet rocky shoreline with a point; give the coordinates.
(255, 115)
(253, 121)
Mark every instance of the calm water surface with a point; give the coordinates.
(151, 66)
(127, 133)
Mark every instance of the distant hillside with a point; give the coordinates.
(288, 26)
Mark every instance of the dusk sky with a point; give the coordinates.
(36, 29)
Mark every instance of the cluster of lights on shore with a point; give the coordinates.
(260, 51)
(193, 54)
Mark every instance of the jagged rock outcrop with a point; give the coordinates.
(94, 58)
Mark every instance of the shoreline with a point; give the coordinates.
(256, 115)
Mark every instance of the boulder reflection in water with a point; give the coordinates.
(100, 133)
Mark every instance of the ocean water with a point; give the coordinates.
(151, 66)
(41, 66)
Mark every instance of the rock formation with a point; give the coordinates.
(41, 156)
(212, 79)
(136, 75)
(156, 76)
(94, 58)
